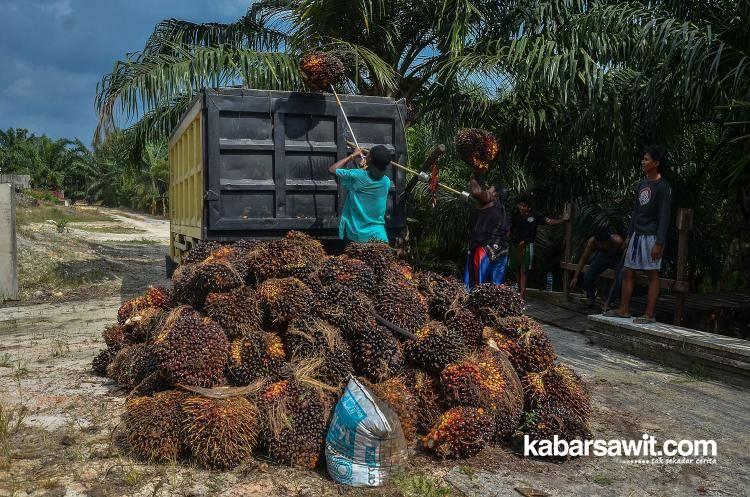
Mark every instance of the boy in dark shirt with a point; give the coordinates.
(647, 233)
(523, 234)
(487, 258)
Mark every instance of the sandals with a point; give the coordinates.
(644, 320)
(612, 313)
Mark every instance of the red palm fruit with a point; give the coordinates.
(320, 70)
(460, 432)
(476, 147)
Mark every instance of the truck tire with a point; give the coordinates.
(170, 266)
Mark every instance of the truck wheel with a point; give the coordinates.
(170, 266)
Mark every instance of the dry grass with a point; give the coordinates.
(43, 213)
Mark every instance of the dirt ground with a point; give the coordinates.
(59, 423)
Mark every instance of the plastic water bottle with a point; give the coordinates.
(549, 281)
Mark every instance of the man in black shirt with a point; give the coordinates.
(487, 258)
(604, 250)
(647, 233)
(523, 234)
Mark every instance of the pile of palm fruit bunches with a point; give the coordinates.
(282, 327)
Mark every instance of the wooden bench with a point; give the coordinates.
(680, 286)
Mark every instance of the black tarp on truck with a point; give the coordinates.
(254, 163)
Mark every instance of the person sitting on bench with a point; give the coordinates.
(604, 249)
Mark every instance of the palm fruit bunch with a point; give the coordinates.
(436, 347)
(132, 364)
(493, 302)
(114, 338)
(397, 395)
(426, 392)
(350, 273)
(237, 311)
(310, 338)
(284, 299)
(294, 419)
(181, 288)
(212, 276)
(232, 255)
(351, 312)
(516, 326)
(377, 354)
(220, 433)
(509, 408)
(154, 297)
(153, 426)
(142, 325)
(378, 255)
(259, 355)
(548, 421)
(460, 432)
(476, 147)
(191, 349)
(467, 324)
(200, 252)
(298, 255)
(101, 361)
(557, 386)
(320, 70)
(443, 293)
(401, 304)
(533, 352)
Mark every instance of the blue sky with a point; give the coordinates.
(53, 53)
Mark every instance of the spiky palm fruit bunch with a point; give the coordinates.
(378, 255)
(467, 324)
(401, 400)
(533, 352)
(460, 432)
(200, 252)
(401, 304)
(350, 273)
(426, 392)
(132, 364)
(284, 299)
(154, 297)
(181, 284)
(516, 326)
(436, 347)
(102, 360)
(509, 407)
(476, 147)
(296, 255)
(442, 293)
(492, 302)
(255, 356)
(114, 337)
(475, 381)
(244, 247)
(557, 386)
(142, 325)
(213, 276)
(191, 350)
(351, 312)
(221, 433)
(320, 70)
(237, 311)
(153, 426)
(377, 354)
(232, 255)
(546, 422)
(310, 338)
(294, 423)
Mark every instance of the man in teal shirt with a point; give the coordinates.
(363, 218)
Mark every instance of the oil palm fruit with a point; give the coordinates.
(191, 350)
(350, 273)
(397, 395)
(320, 70)
(467, 324)
(442, 293)
(377, 354)
(351, 312)
(460, 432)
(255, 356)
(426, 392)
(401, 304)
(476, 147)
(492, 302)
(558, 385)
(309, 338)
(200, 252)
(220, 433)
(436, 347)
(284, 299)
(153, 426)
(237, 311)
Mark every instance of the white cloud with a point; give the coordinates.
(59, 8)
(22, 87)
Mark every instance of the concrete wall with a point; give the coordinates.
(20, 181)
(8, 258)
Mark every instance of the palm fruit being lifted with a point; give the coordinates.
(442, 293)
(492, 302)
(377, 354)
(436, 347)
(220, 433)
(320, 70)
(350, 273)
(190, 349)
(237, 311)
(460, 432)
(153, 426)
(476, 147)
(294, 423)
(310, 338)
(401, 304)
(259, 355)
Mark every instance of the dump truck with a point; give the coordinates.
(254, 164)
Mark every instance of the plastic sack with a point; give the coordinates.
(365, 443)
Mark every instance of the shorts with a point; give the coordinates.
(481, 269)
(522, 258)
(638, 254)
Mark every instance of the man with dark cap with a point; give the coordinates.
(604, 249)
(363, 216)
